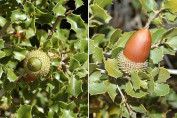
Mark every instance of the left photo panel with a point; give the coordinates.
(44, 58)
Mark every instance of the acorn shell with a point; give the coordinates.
(138, 46)
(128, 66)
(45, 64)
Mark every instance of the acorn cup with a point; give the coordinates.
(37, 64)
(136, 51)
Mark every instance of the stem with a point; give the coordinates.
(123, 99)
(57, 21)
(151, 19)
(5, 27)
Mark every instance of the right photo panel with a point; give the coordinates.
(133, 59)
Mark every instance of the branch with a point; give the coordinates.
(172, 71)
(151, 19)
(124, 100)
(5, 27)
(57, 21)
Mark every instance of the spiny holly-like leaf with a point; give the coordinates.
(138, 94)
(97, 88)
(123, 39)
(103, 18)
(163, 75)
(98, 39)
(111, 89)
(68, 114)
(111, 66)
(102, 3)
(2, 21)
(115, 35)
(59, 10)
(74, 87)
(171, 5)
(157, 35)
(11, 76)
(95, 76)
(18, 15)
(161, 89)
(2, 54)
(156, 55)
(29, 8)
(78, 3)
(24, 111)
(98, 55)
(135, 80)
(91, 46)
(149, 5)
(73, 64)
(77, 24)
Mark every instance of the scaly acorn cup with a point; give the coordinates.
(136, 51)
(37, 64)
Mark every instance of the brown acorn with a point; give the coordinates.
(136, 52)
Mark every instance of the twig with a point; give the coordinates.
(172, 71)
(54, 26)
(152, 18)
(5, 27)
(123, 99)
(57, 21)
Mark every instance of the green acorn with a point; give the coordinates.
(37, 64)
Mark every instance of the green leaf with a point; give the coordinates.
(1, 70)
(95, 76)
(78, 3)
(74, 87)
(151, 85)
(91, 46)
(170, 33)
(81, 57)
(20, 1)
(129, 90)
(44, 17)
(103, 18)
(171, 5)
(18, 15)
(98, 55)
(115, 52)
(73, 64)
(161, 89)
(2, 21)
(102, 3)
(11, 75)
(138, 108)
(24, 111)
(172, 42)
(156, 55)
(98, 39)
(29, 8)
(84, 45)
(77, 24)
(111, 89)
(56, 62)
(111, 66)
(2, 54)
(115, 35)
(20, 55)
(8, 86)
(68, 114)
(92, 67)
(149, 5)
(163, 75)
(59, 9)
(135, 80)
(123, 39)
(1, 44)
(97, 88)
(157, 35)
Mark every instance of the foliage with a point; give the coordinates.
(146, 93)
(55, 27)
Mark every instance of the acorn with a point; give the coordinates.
(136, 51)
(37, 64)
